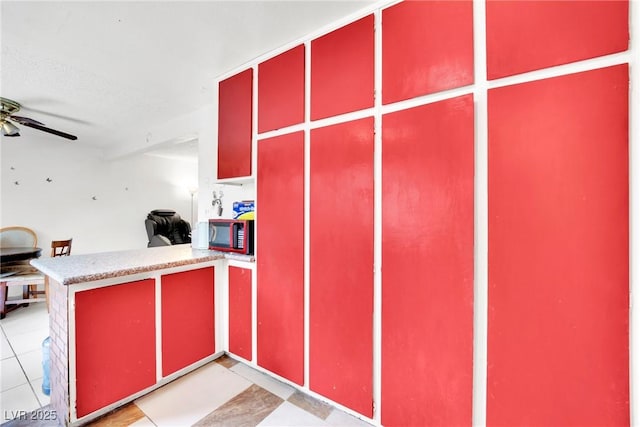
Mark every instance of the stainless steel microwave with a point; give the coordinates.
(231, 235)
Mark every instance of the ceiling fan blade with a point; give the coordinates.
(58, 116)
(25, 120)
(49, 130)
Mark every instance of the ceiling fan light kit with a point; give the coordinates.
(9, 108)
(9, 129)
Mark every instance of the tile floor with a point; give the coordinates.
(221, 393)
(21, 334)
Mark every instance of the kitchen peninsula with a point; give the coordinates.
(124, 323)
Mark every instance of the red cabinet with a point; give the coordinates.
(341, 264)
(427, 259)
(530, 35)
(427, 46)
(558, 339)
(281, 90)
(115, 339)
(280, 255)
(342, 70)
(235, 101)
(555, 231)
(240, 302)
(188, 329)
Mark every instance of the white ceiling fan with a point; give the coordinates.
(7, 116)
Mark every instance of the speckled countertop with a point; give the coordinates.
(88, 267)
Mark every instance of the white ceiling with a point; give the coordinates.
(107, 70)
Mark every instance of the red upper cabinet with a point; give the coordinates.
(281, 90)
(342, 70)
(529, 35)
(427, 47)
(234, 125)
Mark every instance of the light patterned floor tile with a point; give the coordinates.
(190, 398)
(246, 409)
(12, 375)
(28, 341)
(16, 402)
(37, 387)
(271, 384)
(289, 415)
(338, 418)
(311, 404)
(25, 319)
(32, 364)
(5, 348)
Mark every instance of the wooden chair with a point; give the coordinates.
(18, 273)
(58, 248)
(61, 248)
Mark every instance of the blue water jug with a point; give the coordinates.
(46, 365)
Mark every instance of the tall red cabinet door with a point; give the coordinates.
(281, 90)
(240, 324)
(342, 70)
(530, 35)
(427, 47)
(341, 264)
(280, 255)
(235, 100)
(558, 343)
(188, 329)
(115, 343)
(427, 264)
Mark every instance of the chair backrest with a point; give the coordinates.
(61, 247)
(18, 237)
(167, 223)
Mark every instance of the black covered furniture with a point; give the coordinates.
(165, 228)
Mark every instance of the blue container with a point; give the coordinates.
(46, 365)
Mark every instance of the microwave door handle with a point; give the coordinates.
(234, 235)
(237, 242)
(236, 231)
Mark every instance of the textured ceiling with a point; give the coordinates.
(107, 70)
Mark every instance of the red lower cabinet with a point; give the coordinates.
(558, 337)
(280, 256)
(341, 264)
(188, 328)
(427, 260)
(240, 324)
(115, 343)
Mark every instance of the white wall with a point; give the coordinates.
(126, 184)
(125, 190)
